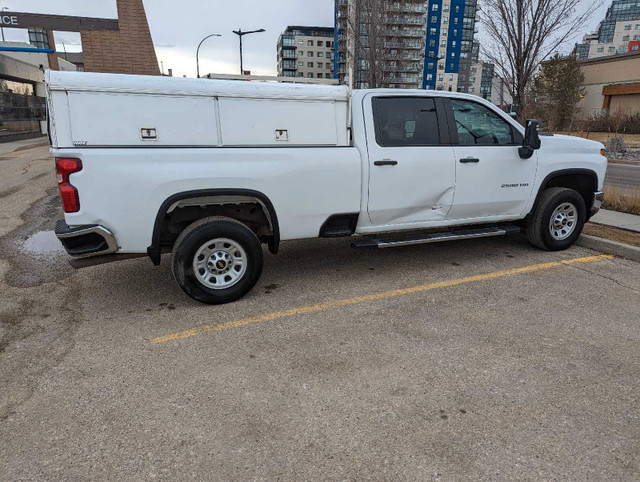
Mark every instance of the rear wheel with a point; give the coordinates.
(217, 260)
(557, 220)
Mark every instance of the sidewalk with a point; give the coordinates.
(615, 219)
(8, 147)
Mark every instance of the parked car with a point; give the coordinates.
(212, 169)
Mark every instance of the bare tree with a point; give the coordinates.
(523, 33)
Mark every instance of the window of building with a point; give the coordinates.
(309, 53)
(329, 44)
(329, 55)
(329, 66)
(300, 42)
(445, 8)
(612, 49)
(433, 31)
(443, 43)
(320, 76)
(434, 7)
(635, 47)
(625, 38)
(627, 27)
(320, 65)
(432, 54)
(430, 65)
(434, 19)
(453, 44)
(445, 20)
(300, 53)
(432, 42)
(429, 76)
(600, 49)
(300, 74)
(637, 26)
(440, 66)
(310, 65)
(444, 32)
(451, 77)
(320, 54)
(406, 121)
(636, 37)
(478, 125)
(310, 75)
(453, 55)
(440, 76)
(310, 44)
(457, 8)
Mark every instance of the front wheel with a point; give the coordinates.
(557, 220)
(217, 260)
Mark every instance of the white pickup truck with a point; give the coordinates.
(211, 169)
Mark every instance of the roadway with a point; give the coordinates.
(623, 176)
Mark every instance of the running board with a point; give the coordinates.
(373, 242)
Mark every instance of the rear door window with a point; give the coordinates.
(406, 121)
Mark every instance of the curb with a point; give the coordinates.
(611, 247)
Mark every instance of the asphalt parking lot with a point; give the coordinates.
(482, 359)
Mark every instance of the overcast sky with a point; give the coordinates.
(178, 26)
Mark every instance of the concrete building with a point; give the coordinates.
(611, 84)
(618, 33)
(306, 52)
(480, 79)
(427, 43)
(22, 92)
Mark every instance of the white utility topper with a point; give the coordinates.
(211, 169)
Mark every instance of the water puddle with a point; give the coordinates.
(42, 243)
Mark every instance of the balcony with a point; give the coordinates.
(406, 45)
(408, 8)
(400, 20)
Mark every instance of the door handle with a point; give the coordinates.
(385, 162)
(466, 160)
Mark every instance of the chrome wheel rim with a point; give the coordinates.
(563, 221)
(220, 263)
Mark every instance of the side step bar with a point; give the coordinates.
(374, 242)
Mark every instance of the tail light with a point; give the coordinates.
(68, 193)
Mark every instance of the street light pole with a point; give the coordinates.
(241, 34)
(198, 51)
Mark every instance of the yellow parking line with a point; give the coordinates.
(377, 296)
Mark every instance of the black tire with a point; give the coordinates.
(539, 232)
(194, 238)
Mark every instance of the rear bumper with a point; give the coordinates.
(598, 197)
(86, 240)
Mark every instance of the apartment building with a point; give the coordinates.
(426, 44)
(480, 79)
(618, 33)
(306, 52)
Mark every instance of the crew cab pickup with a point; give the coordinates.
(212, 169)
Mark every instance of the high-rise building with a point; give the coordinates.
(618, 33)
(423, 43)
(306, 52)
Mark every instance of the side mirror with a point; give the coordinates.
(531, 140)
